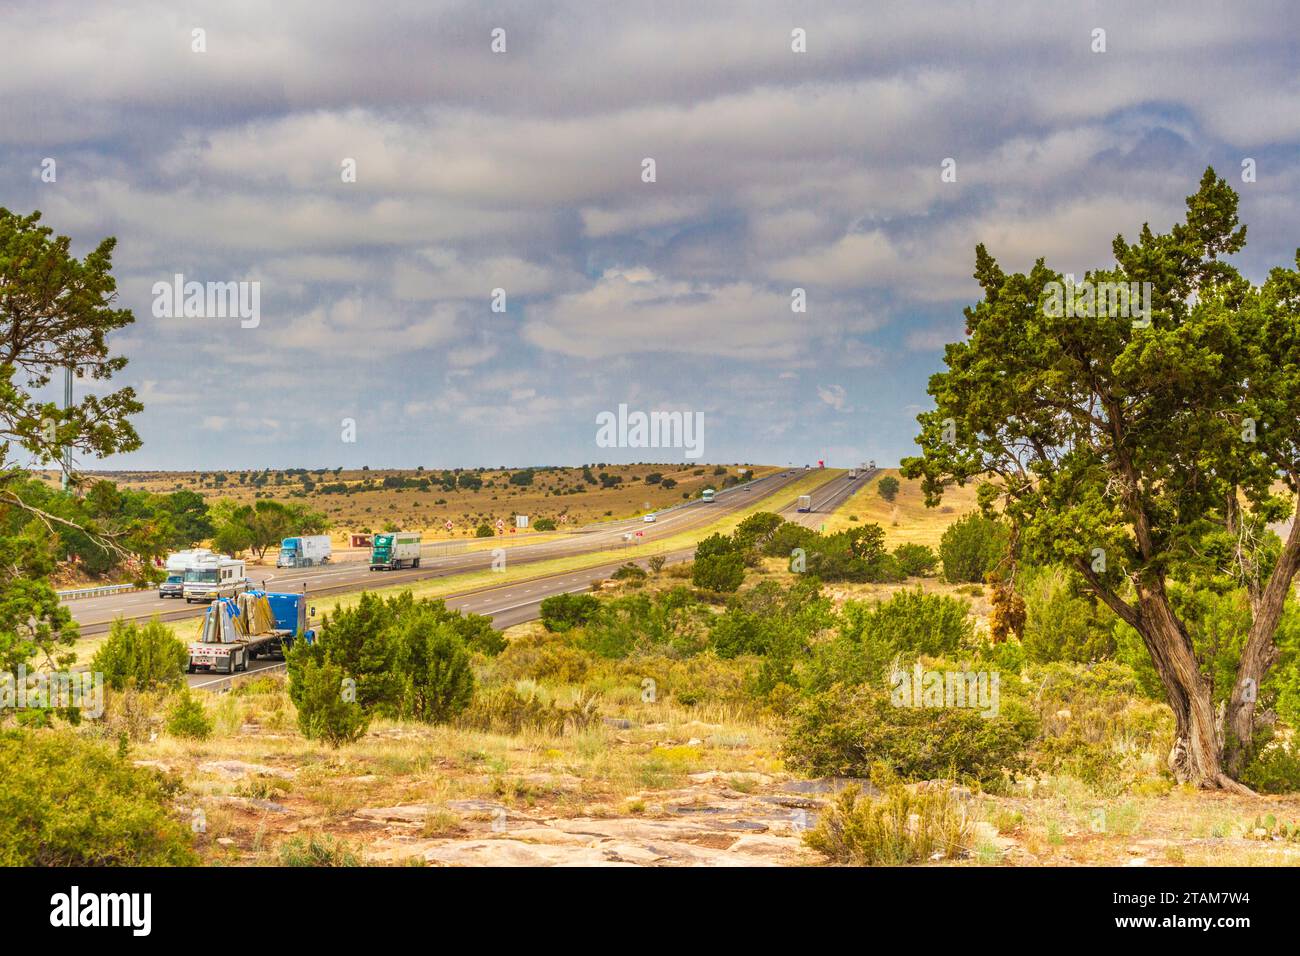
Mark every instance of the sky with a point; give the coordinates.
(376, 341)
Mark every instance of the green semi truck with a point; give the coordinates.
(394, 550)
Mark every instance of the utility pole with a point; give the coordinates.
(67, 404)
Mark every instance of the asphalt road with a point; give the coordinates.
(511, 604)
(95, 615)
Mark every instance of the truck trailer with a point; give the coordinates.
(304, 551)
(394, 550)
(253, 624)
(210, 576)
(805, 503)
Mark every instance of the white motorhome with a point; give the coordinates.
(210, 576)
(174, 584)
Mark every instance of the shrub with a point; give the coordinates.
(915, 560)
(1061, 624)
(562, 612)
(632, 573)
(434, 664)
(911, 621)
(899, 827)
(720, 573)
(505, 710)
(187, 718)
(656, 562)
(484, 531)
(842, 732)
(971, 547)
(324, 713)
(67, 801)
(887, 487)
(1274, 769)
(544, 524)
(145, 656)
(317, 850)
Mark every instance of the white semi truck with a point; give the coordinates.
(304, 551)
(210, 576)
(805, 503)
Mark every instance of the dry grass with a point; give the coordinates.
(906, 519)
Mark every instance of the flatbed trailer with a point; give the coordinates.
(252, 625)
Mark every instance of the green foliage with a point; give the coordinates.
(670, 622)
(887, 487)
(143, 656)
(843, 731)
(484, 530)
(187, 718)
(544, 524)
(630, 572)
(433, 662)
(563, 612)
(1062, 623)
(718, 572)
(915, 560)
(264, 524)
(505, 710)
(898, 828)
(1274, 769)
(324, 712)
(67, 801)
(971, 547)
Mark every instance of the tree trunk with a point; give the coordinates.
(1197, 754)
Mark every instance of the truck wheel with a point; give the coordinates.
(416, 563)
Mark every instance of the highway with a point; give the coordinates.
(95, 615)
(827, 498)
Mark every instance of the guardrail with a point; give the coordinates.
(76, 593)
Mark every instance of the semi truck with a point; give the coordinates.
(250, 625)
(304, 551)
(176, 565)
(210, 576)
(805, 503)
(853, 473)
(394, 550)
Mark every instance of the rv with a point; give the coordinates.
(174, 584)
(211, 576)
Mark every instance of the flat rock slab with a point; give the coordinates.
(829, 785)
(233, 769)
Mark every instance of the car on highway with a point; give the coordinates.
(173, 586)
(649, 518)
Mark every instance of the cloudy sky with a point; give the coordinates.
(523, 170)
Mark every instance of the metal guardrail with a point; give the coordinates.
(76, 593)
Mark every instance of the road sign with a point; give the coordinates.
(501, 524)
(449, 526)
(521, 521)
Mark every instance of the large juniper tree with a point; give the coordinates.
(56, 312)
(1142, 449)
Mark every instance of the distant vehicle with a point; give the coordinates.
(706, 494)
(177, 563)
(211, 576)
(304, 551)
(870, 466)
(237, 630)
(399, 549)
(648, 519)
(805, 503)
(853, 473)
(172, 586)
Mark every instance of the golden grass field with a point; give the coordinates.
(906, 519)
(550, 496)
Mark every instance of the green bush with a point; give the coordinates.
(915, 560)
(68, 801)
(484, 531)
(631, 573)
(1062, 624)
(887, 487)
(544, 524)
(1274, 769)
(187, 718)
(719, 572)
(971, 547)
(324, 712)
(434, 667)
(911, 621)
(563, 612)
(671, 622)
(144, 657)
(844, 731)
(898, 828)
